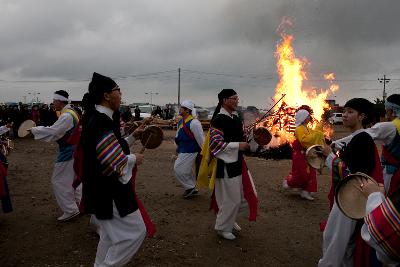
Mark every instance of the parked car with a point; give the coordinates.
(336, 118)
(145, 111)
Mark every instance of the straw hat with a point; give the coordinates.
(349, 196)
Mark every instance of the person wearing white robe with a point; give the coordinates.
(189, 141)
(67, 197)
(109, 194)
(229, 194)
(383, 133)
(338, 238)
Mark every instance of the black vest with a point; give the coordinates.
(100, 191)
(233, 132)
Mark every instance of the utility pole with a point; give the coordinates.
(151, 97)
(179, 87)
(384, 81)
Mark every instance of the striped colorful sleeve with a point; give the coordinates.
(339, 170)
(216, 141)
(384, 227)
(109, 153)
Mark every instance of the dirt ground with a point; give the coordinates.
(286, 232)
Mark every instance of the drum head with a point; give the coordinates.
(349, 196)
(315, 159)
(262, 136)
(23, 129)
(152, 137)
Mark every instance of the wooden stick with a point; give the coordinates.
(145, 144)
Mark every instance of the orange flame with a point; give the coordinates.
(329, 76)
(292, 74)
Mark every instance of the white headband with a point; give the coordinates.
(394, 107)
(301, 116)
(60, 97)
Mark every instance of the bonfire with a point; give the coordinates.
(290, 94)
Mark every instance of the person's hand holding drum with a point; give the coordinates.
(368, 187)
(244, 146)
(326, 150)
(139, 158)
(138, 133)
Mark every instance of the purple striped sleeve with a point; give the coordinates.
(217, 142)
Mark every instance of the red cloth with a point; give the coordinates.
(35, 116)
(362, 251)
(248, 192)
(384, 228)
(302, 175)
(3, 173)
(150, 227)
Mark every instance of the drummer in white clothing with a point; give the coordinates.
(61, 131)
(189, 140)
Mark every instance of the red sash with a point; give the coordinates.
(150, 227)
(3, 173)
(248, 192)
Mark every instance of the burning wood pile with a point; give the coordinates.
(280, 121)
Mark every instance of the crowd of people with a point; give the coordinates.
(41, 114)
(95, 172)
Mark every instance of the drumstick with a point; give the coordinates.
(145, 144)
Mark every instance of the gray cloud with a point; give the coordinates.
(68, 40)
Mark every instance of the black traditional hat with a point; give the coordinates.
(101, 83)
(225, 93)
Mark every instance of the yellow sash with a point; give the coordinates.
(73, 114)
(396, 122)
(208, 166)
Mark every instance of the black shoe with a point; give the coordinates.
(190, 192)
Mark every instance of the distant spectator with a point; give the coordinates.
(157, 111)
(137, 113)
(53, 114)
(35, 114)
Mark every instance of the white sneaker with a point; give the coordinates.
(226, 235)
(236, 227)
(285, 185)
(67, 216)
(306, 195)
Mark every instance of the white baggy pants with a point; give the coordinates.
(184, 169)
(67, 197)
(120, 238)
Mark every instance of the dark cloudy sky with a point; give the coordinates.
(51, 45)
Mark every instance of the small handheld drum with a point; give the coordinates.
(349, 196)
(262, 136)
(152, 137)
(314, 157)
(25, 126)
